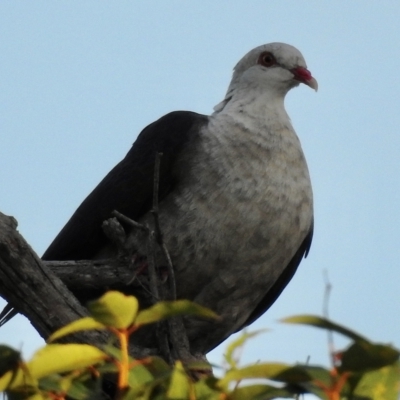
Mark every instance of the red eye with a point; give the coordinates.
(267, 59)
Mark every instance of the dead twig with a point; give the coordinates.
(129, 221)
(177, 331)
(159, 235)
(325, 311)
(173, 331)
(154, 237)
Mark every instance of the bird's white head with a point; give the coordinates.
(274, 68)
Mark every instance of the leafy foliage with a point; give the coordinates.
(363, 371)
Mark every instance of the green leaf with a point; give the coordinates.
(66, 384)
(26, 393)
(382, 384)
(70, 384)
(320, 376)
(58, 358)
(236, 345)
(13, 371)
(199, 367)
(51, 383)
(154, 390)
(114, 309)
(139, 376)
(113, 351)
(13, 379)
(207, 389)
(9, 359)
(261, 392)
(80, 391)
(275, 371)
(144, 392)
(362, 356)
(324, 323)
(107, 368)
(180, 385)
(82, 324)
(158, 367)
(167, 309)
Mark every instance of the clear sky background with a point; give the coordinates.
(80, 79)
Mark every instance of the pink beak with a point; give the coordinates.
(304, 76)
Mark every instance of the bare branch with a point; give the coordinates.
(30, 284)
(116, 234)
(331, 343)
(129, 221)
(98, 275)
(38, 293)
(177, 331)
(159, 235)
(41, 290)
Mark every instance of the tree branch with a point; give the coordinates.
(39, 294)
(176, 329)
(98, 275)
(42, 290)
(29, 283)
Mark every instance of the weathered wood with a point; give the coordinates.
(28, 283)
(98, 274)
(25, 281)
(44, 291)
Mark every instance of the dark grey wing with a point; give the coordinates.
(276, 290)
(128, 187)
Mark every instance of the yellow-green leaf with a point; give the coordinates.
(236, 344)
(207, 389)
(276, 371)
(317, 373)
(142, 393)
(167, 309)
(139, 376)
(115, 309)
(70, 383)
(179, 387)
(9, 359)
(319, 377)
(158, 367)
(54, 383)
(34, 396)
(324, 323)
(382, 384)
(57, 358)
(13, 379)
(199, 367)
(261, 392)
(81, 391)
(83, 324)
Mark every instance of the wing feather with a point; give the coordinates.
(272, 295)
(128, 187)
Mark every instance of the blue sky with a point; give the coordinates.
(79, 80)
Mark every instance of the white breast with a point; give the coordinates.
(248, 190)
(241, 211)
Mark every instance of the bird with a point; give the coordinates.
(235, 197)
